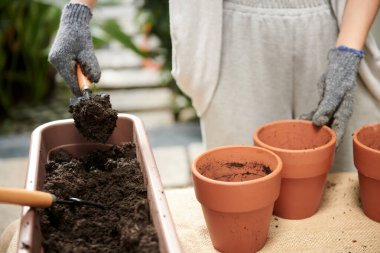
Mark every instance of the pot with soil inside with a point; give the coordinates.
(120, 174)
(366, 145)
(237, 187)
(307, 153)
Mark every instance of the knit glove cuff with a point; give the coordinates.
(76, 13)
(352, 50)
(344, 60)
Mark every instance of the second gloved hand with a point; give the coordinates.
(336, 88)
(72, 45)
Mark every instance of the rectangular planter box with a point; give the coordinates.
(63, 133)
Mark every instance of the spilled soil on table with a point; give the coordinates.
(94, 117)
(112, 178)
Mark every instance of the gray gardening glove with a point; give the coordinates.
(72, 45)
(336, 88)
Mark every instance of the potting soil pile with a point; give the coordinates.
(113, 178)
(94, 117)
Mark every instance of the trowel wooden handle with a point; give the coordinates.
(25, 197)
(84, 83)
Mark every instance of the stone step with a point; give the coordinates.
(156, 118)
(194, 150)
(124, 13)
(129, 78)
(14, 145)
(118, 58)
(140, 99)
(173, 166)
(174, 135)
(174, 163)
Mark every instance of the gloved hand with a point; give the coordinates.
(72, 45)
(336, 88)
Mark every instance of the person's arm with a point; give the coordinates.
(337, 84)
(358, 18)
(90, 3)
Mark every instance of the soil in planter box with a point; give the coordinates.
(113, 178)
(94, 117)
(235, 171)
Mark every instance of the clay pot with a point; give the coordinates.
(237, 195)
(307, 153)
(63, 133)
(366, 141)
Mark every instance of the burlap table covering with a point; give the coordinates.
(339, 225)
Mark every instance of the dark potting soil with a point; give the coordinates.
(94, 117)
(235, 171)
(112, 178)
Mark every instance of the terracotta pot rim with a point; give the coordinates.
(330, 143)
(359, 143)
(272, 175)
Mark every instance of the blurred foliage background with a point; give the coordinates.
(28, 82)
(26, 34)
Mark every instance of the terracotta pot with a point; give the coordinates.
(62, 133)
(237, 203)
(366, 141)
(307, 153)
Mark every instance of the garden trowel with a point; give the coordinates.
(84, 85)
(93, 114)
(39, 198)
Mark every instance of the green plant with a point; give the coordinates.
(152, 20)
(26, 30)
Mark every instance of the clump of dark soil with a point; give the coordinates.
(235, 171)
(112, 178)
(94, 117)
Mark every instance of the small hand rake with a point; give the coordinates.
(39, 199)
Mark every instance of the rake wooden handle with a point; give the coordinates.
(84, 83)
(25, 197)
